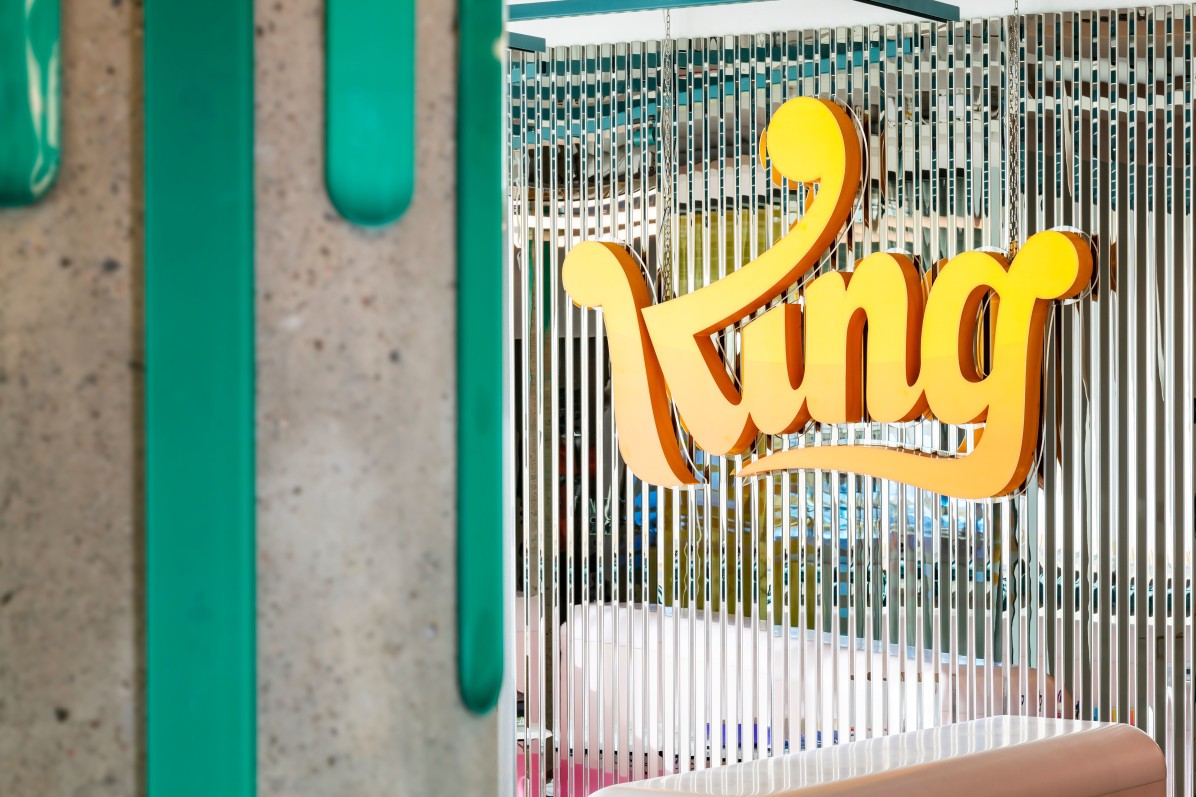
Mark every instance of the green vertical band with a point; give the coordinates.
(481, 219)
(201, 733)
(369, 108)
(30, 108)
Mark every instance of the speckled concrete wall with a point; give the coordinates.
(355, 448)
(357, 688)
(70, 421)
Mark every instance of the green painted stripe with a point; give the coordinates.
(481, 220)
(199, 406)
(552, 9)
(30, 101)
(369, 117)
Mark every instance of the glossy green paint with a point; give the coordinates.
(369, 116)
(199, 400)
(481, 467)
(30, 99)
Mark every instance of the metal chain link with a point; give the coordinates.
(1013, 125)
(667, 145)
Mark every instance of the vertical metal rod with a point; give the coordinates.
(1178, 291)
(1069, 518)
(1186, 388)
(608, 188)
(1087, 146)
(591, 170)
(523, 235)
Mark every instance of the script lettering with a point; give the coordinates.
(866, 346)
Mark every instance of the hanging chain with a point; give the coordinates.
(1013, 124)
(667, 145)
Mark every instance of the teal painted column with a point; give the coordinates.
(481, 263)
(199, 403)
(369, 108)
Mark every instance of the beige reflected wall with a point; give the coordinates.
(357, 692)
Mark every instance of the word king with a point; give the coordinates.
(873, 344)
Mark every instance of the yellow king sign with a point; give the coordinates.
(869, 344)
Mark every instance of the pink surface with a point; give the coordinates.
(575, 781)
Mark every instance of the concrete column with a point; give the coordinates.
(356, 471)
(356, 465)
(71, 498)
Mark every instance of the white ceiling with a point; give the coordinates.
(762, 16)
